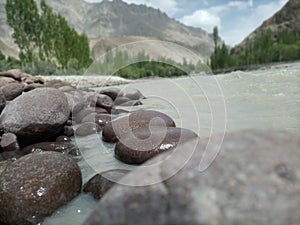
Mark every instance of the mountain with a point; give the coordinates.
(107, 21)
(288, 18)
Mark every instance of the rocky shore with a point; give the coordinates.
(255, 179)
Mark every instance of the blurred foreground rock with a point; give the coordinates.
(254, 180)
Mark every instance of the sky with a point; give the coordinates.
(235, 19)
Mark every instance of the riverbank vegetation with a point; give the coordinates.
(261, 49)
(141, 65)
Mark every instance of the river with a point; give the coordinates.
(268, 98)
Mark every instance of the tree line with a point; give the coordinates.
(263, 48)
(44, 38)
(141, 65)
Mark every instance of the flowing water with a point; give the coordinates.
(263, 99)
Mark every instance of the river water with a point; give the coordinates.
(268, 98)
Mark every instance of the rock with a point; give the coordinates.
(113, 93)
(9, 142)
(255, 180)
(141, 118)
(55, 83)
(11, 91)
(102, 110)
(132, 103)
(3, 165)
(30, 190)
(31, 87)
(98, 185)
(104, 101)
(63, 139)
(36, 115)
(6, 80)
(141, 145)
(2, 101)
(11, 155)
(86, 129)
(99, 118)
(69, 131)
(14, 73)
(133, 94)
(77, 117)
(67, 88)
(76, 102)
(121, 100)
(119, 111)
(61, 147)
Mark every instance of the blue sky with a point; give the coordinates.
(234, 18)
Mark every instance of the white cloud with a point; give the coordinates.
(203, 19)
(245, 18)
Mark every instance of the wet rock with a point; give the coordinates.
(61, 147)
(76, 102)
(100, 119)
(133, 94)
(86, 129)
(11, 155)
(69, 131)
(253, 180)
(142, 118)
(30, 190)
(143, 144)
(9, 142)
(11, 91)
(36, 115)
(77, 117)
(14, 74)
(2, 101)
(121, 100)
(104, 101)
(115, 111)
(113, 93)
(102, 110)
(98, 185)
(63, 139)
(132, 103)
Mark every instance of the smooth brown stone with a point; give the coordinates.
(86, 129)
(36, 185)
(122, 125)
(142, 144)
(99, 184)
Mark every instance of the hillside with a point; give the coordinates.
(101, 21)
(288, 18)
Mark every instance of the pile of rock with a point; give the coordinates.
(37, 120)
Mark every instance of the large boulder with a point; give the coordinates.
(255, 180)
(37, 184)
(143, 144)
(142, 118)
(36, 115)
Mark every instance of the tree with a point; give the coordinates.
(46, 36)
